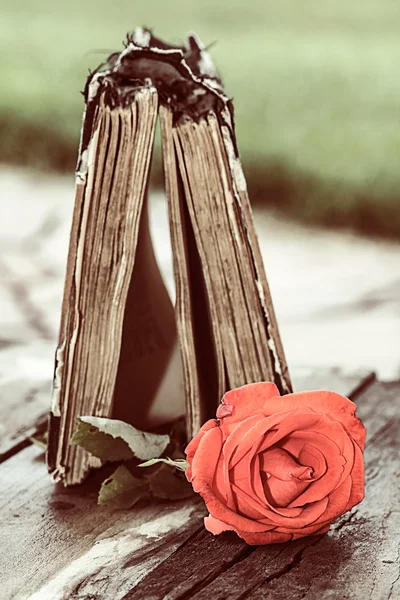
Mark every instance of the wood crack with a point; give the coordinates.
(293, 563)
(382, 431)
(397, 578)
(224, 567)
(346, 520)
(141, 558)
(39, 427)
(362, 386)
(97, 552)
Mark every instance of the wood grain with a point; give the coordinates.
(57, 544)
(24, 408)
(211, 567)
(334, 380)
(25, 402)
(361, 545)
(359, 558)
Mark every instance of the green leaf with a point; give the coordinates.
(169, 485)
(123, 489)
(113, 440)
(180, 463)
(100, 444)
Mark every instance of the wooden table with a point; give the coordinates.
(57, 543)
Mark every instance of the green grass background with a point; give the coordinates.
(315, 85)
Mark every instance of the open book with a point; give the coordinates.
(118, 333)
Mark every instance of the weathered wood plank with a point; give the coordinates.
(25, 383)
(262, 565)
(57, 544)
(25, 401)
(334, 380)
(75, 549)
(359, 558)
(24, 412)
(208, 567)
(190, 567)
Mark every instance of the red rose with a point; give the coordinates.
(277, 468)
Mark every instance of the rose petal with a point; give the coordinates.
(313, 530)
(224, 410)
(241, 480)
(222, 483)
(191, 448)
(306, 455)
(282, 465)
(225, 514)
(263, 539)
(247, 507)
(297, 517)
(256, 495)
(269, 512)
(211, 487)
(242, 475)
(291, 421)
(310, 514)
(282, 493)
(312, 457)
(248, 398)
(241, 439)
(205, 460)
(338, 501)
(335, 466)
(336, 406)
(357, 480)
(216, 527)
(250, 434)
(347, 451)
(257, 487)
(230, 446)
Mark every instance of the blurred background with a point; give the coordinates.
(317, 100)
(315, 86)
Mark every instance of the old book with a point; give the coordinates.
(117, 333)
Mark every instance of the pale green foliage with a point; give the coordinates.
(167, 484)
(314, 84)
(113, 440)
(100, 444)
(123, 489)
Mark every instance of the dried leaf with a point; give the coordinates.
(167, 484)
(123, 489)
(113, 440)
(100, 444)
